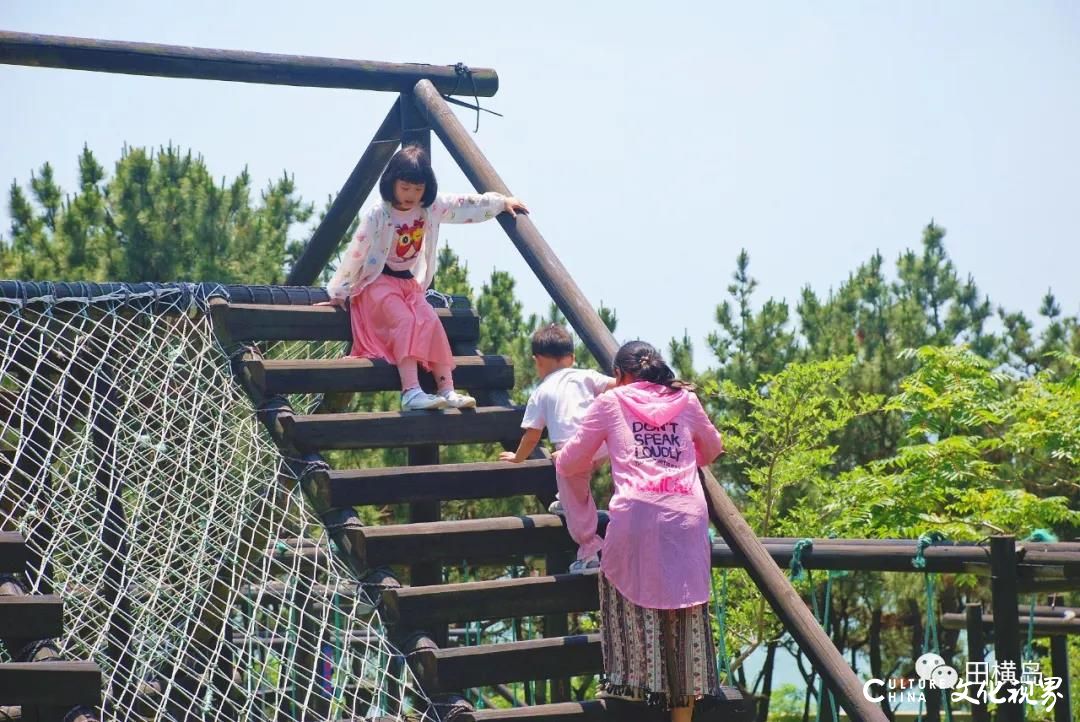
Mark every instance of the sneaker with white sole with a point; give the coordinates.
(580, 566)
(454, 400)
(418, 400)
(556, 507)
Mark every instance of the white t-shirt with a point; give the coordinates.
(408, 239)
(561, 400)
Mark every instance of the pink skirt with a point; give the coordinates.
(391, 319)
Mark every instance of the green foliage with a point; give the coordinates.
(161, 217)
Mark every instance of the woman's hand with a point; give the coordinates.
(513, 205)
(339, 302)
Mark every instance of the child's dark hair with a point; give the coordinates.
(552, 341)
(412, 165)
(642, 362)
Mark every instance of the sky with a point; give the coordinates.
(651, 141)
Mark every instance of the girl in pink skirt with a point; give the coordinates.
(388, 267)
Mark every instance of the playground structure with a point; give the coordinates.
(81, 366)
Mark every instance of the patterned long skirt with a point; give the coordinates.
(663, 657)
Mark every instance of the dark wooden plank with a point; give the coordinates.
(12, 552)
(477, 540)
(403, 428)
(483, 480)
(251, 322)
(449, 670)
(179, 61)
(309, 376)
(51, 683)
(331, 231)
(415, 607)
(732, 707)
(31, 617)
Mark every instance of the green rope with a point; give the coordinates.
(1029, 647)
(720, 603)
(796, 570)
(825, 619)
(930, 537)
(1044, 536)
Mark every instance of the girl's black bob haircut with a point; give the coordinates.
(412, 165)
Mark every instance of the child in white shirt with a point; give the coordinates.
(562, 398)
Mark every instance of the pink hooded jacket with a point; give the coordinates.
(656, 549)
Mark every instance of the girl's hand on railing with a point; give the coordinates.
(338, 302)
(513, 205)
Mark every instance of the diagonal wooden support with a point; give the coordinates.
(772, 582)
(324, 242)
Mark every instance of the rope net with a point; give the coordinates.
(191, 567)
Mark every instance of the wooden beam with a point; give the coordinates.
(12, 552)
(532, 246)
(397, 485)
(179, 61)
(495, 599)
(731, 708)
(331, 231)
(1044, 626)
(253, 322)
(395, 429)
(309, 376)
(50, 683)
(31, 617)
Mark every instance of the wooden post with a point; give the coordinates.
(1003, 586)
(586, 321)
(426, 573)
(327, 237)
(178, 61)
(557, 625)
(532, 246)
(1059, 665)
(976, 653)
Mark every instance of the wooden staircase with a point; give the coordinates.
(39, 685)
(420, 613)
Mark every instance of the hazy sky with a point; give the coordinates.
(652, 141)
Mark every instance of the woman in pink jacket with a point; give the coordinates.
(656, 564)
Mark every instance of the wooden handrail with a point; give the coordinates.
(772, 582)
(178, 61)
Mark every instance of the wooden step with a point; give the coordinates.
(12, 552)
(418, 607)
(388, 429)
(31, 617)
(476, 540)
(54, 684)
(484, 480)
(312, 376)
(732, 707)
(253, 322)
(451, 670)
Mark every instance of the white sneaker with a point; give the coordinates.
(556, 507)
(454, 400)
(417, 400)
(580, 566)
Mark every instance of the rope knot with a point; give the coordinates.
(925, 540)
(796, 570)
